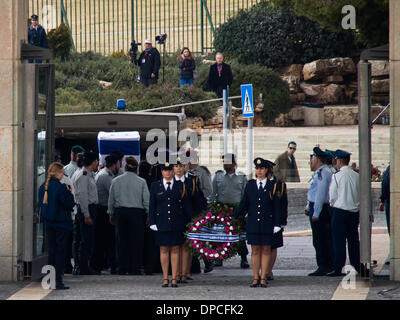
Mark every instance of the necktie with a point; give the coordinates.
(169, 187)
(260, 188)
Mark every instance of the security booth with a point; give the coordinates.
(38, 153)
(364, 134)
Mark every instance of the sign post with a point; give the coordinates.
(248, 112)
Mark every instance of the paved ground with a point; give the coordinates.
(295, 260)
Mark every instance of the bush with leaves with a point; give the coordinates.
(77, 83)
(372, 16)
(59, 41)
(277, 37)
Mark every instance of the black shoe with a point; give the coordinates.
(319, 272)
(335, 274)
(68, 270)
(61, 286)
(209, 268)
(255, 283)
(263, 283)
(113, 271)
(244, 264)
(173, 285)
(189, 278)
(387, 262)
(270, 278)
(165, 285)
(218, 263)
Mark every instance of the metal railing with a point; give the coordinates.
(107, 26)
(183, 105)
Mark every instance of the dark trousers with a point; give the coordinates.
(104, 247)
(345, 227)
(76, 240)
(242, 250)
(322, 237)
(131, 223)
(148, 81)
(87, 237)
(57, 241)
(69, 243)
(151, 253)
(387, 212)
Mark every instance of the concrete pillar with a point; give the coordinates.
(394, 55)
(13, 17)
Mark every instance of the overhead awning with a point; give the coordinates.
(378, 53)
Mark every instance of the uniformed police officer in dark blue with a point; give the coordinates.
(185, 257)
(280, 188)
(37, 35)
(319, 212)
(168, 212)
(263, 220)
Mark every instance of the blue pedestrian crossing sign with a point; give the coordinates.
(247, 100)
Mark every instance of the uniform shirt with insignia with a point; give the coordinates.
(85, 190)
(344, 190)
(128, 191)
(103, 181)
(205, 180)
(228, 188)
(70, 169)
(318, 193)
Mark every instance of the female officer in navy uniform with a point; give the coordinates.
(277, 238)
(263, 208)
(168, 211)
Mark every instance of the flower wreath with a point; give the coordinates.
(214, 234)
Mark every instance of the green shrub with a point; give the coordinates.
(77, 85)
(59, 41)
(277, 37)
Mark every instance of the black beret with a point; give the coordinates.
(319, 153)
(341, 154)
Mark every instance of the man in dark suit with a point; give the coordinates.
(220, 75)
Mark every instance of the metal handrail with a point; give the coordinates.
(380, 113)
(188, 104)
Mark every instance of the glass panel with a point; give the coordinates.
(41, 145)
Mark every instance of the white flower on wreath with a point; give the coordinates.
(197, 224)
(213, 217)
(201, 250)
(194, 229)
(231, 228)
(230, 233)
(211, 255)
(228, 243)
(216, 255)
(207, 217)
(222, 219)
(206, 254)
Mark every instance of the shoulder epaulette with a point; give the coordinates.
(183, 191)
(271, 195)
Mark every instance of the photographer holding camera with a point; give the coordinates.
(149, 62)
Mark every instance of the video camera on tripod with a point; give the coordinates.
(133, 50)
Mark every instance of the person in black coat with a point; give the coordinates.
(149, 62)
(263, 219)
(169, 211)
(220, 75)
(187, 66)
(56, 203)
(36, 35)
